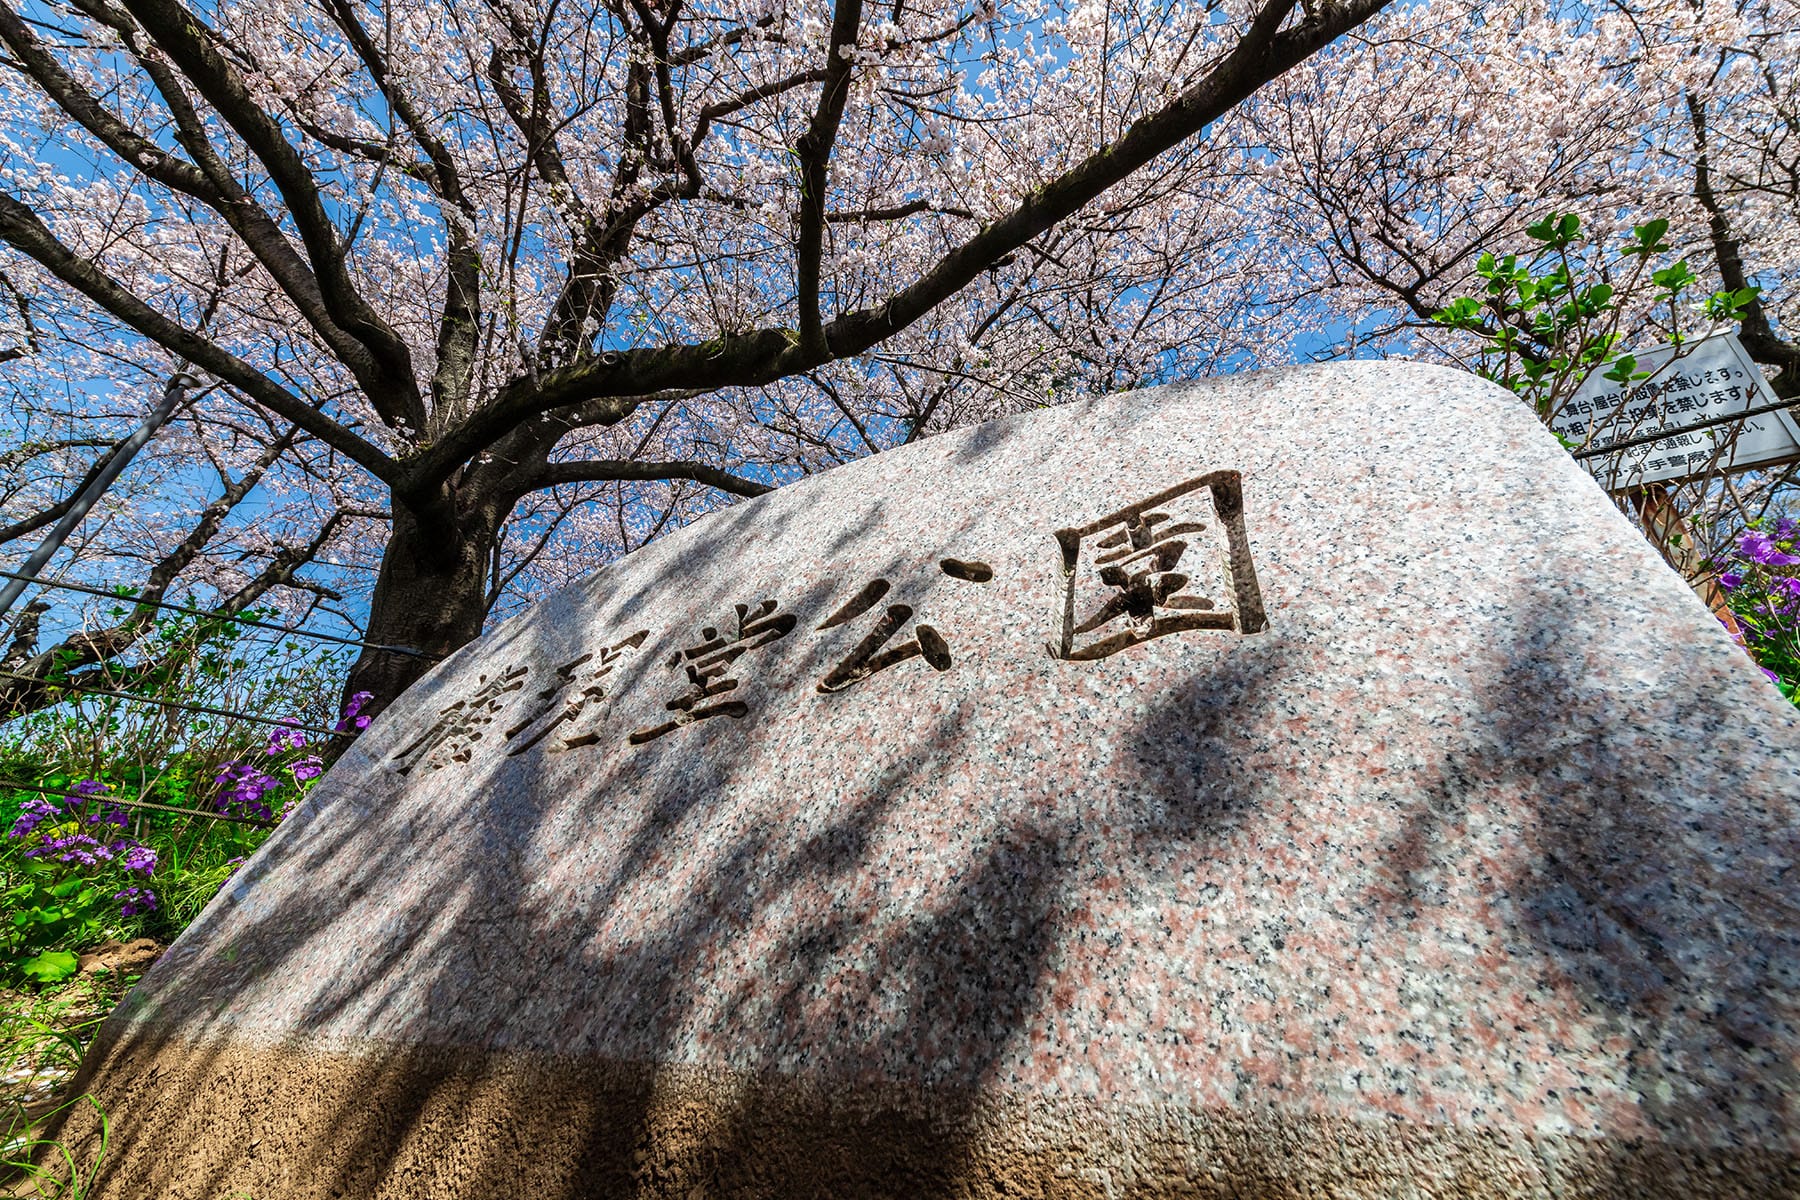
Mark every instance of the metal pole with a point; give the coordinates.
(121, 455)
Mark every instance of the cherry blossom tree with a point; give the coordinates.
(1448, 129)
(470, 281)
(1442, 130)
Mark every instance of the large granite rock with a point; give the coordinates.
(1296, 784)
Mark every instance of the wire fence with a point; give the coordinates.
(84, 689)
(184, 705)
(200, 612)
(121, 802)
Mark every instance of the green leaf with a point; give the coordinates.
(1556, 230)
(1621, 370)
(1729, 305)
(1460, 312)
(1673, 279)
(52, 966)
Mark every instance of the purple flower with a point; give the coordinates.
(243, 785)
(1756, 546)
(32, 814)
(135, 900)
(352, 712)
(81, 848)
(72, 848)
(285, 737)
(110, 815)
(75, 804)
(310, 767)
(1773, 677)
(1785, 528)
(138, 857)
(1731, 580)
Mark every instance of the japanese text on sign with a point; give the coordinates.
(1176, 562)
(1687, 386)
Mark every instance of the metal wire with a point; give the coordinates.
(69, 793)
(324, 562)
(107, 474)
(181, 704)
(200, 612)
(1661, 435)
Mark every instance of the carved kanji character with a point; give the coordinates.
(1131, 575)
(557, 705)
(707, 663)
(868, 656)
(460, 725)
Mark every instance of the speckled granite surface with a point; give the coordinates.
(1308, 748)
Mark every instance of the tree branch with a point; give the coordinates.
(610, 470)
(190, 44)
(724, 108)
(694, 54)
(814, 152)
(1757, 334)
(613, 381)
(208, 179)
(31, 334)
(459, 325)
(896, 212)
(102, 645)
(54, 513)
(21, 229)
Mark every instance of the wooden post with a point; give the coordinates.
(1674, 539)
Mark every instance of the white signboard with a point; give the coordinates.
(1698, 381)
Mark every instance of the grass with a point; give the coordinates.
(43, 1036)
(23, 1159)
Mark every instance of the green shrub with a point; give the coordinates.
(77, 866)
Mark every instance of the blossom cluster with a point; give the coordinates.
(1763, 593)
(242, 787)
(85, 832)
(353, 720)
(245, 786)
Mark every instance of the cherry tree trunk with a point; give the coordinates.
(431, 596)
